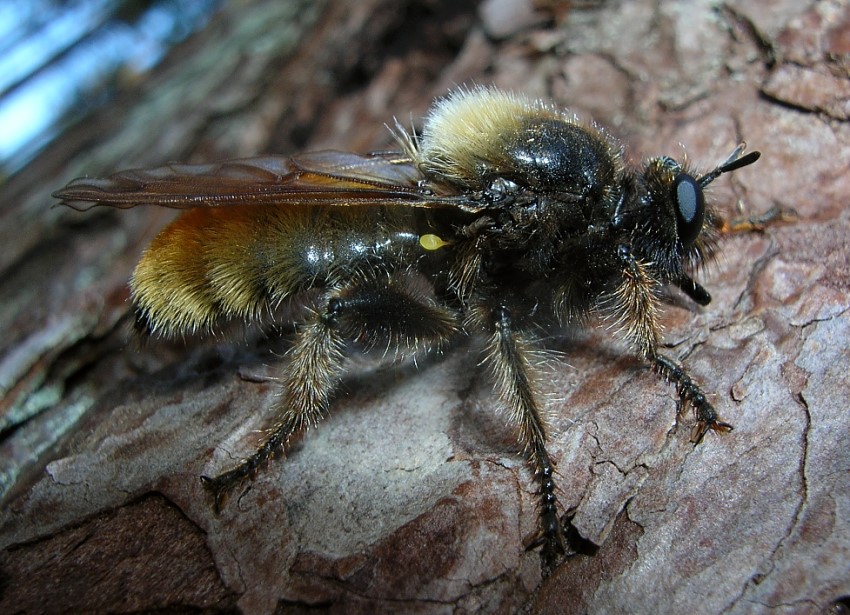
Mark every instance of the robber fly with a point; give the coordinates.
(504, 215)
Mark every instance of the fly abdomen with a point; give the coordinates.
(223, 263)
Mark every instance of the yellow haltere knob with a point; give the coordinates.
(432, 242)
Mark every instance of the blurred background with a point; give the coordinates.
(61, 60)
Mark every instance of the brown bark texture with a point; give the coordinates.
(411, 497)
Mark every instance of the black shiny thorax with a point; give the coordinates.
(550, 204)
(554, 156)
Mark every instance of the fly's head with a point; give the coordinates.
(667, 223)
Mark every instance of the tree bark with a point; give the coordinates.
(411, 496)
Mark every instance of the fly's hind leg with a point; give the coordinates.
(395, 310)
(314, 368)
(509, 355)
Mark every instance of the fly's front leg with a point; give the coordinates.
(635, 304)
(690, 392)
(508, 354)
(395, 310)
(749, 224)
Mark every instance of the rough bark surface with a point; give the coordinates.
(410, 497)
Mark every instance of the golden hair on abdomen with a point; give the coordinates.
(218, 264)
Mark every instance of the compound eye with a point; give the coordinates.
(690, 208)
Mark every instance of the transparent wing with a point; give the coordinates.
(320, 178)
